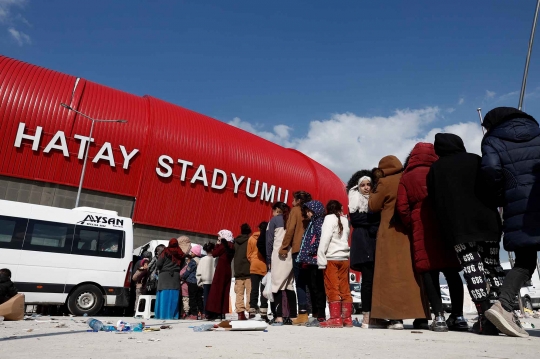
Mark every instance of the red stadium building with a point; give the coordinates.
(172, 170)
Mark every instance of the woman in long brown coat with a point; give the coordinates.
(397, 293)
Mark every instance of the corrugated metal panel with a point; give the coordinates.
(32, 95)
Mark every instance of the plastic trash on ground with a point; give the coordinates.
(203, 328)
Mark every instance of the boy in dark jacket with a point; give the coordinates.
(7, 288)
(242, 274)
(467, 222)
(511, 167)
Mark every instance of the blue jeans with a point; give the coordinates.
(300, 285)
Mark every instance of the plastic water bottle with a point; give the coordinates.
(95, 324)
(109, 328)
(203, 327)
(138, 328)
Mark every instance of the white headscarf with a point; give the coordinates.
(358, 201)
(226, 234)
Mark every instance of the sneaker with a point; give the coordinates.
(287, 321)
(438, 324)
(457, 323)
(395, 325)
(506, 322)
(484, 327)
(421, 324)
(313, 323)
(375, 323)
(274, 323)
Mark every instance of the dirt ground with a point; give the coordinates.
(66, 337)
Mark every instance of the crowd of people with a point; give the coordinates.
(439, 212)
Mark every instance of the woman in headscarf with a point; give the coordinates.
(307, 258)
(168, 290)
(431, 255)
(364, 238)
(397, 294)
(218, 298)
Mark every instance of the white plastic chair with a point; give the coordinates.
(148, 303)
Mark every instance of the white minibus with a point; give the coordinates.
(79, 257)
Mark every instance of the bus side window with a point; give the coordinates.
(48, 236)
(12, 231)
(99, 242)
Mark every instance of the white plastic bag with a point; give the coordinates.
(267, 282)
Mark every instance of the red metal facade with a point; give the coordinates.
(32, 95)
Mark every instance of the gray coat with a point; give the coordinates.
(169, 274)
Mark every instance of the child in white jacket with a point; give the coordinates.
(333, 257)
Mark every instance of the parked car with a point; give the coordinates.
(445, 296)
(356, 296)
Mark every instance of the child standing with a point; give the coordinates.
(333, 257)
(194, 292)
(205, 272)
(184, 289)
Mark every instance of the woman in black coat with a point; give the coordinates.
(511, 167)
(365, 225)
(468, 220)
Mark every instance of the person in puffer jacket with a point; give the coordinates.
(511, 167)
(307, 259)
(430, 255)
(333, 259)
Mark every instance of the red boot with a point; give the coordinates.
(346, 314)
(335, 320)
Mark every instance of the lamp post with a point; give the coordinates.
(88, 146)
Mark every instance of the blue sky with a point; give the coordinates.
(365, 77)
(346, 82)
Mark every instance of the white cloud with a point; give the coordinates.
(346, 142)
(490, 94)
(279, 135)
(19, 36)
(9, 19)
(6, 6)
(508, 96)
(461, 101)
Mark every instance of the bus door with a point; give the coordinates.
(45, 261)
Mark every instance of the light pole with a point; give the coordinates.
(88, 146)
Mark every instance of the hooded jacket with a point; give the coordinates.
(511, 167)
(416, 213)
(241, 262)
(312, 236)
(394, 271)
(459, 195)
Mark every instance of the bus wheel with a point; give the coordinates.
(87, 299)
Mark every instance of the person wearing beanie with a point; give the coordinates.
(511, 164)
(242, 278)
(257, 271)
(469, 222)
(218, 298)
